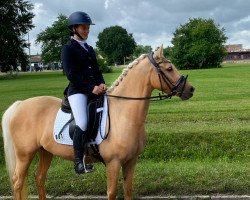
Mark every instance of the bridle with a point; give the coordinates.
(175, 88)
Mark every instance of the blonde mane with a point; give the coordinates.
(125, 72)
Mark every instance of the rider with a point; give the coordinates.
(81, 68)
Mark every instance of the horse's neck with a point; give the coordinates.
(135, 84)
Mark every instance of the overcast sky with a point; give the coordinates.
(152, 22)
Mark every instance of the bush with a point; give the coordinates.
(10, 75)
(104, 66)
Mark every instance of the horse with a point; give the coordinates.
(28, 126)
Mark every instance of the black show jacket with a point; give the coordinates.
(81, 68)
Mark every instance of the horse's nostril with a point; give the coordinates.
(192, 89)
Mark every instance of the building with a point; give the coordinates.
(236, 53)
(36, 63)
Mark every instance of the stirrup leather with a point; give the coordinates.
(81, 167)
(87, 167)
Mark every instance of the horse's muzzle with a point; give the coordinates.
(187, 93)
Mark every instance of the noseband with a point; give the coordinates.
(175, 88)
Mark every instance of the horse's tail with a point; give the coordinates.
(10, 157)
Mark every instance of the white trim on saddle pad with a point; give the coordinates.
(62, 118)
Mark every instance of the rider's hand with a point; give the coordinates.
(103, 87)
(97, 90)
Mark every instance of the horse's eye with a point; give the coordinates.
(170, 68)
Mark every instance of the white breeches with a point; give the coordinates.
(78, 103)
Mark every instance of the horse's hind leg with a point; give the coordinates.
(20, 176)
(45, 159)
(128, 171)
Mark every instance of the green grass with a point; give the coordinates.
(199, 146)
(162, 178)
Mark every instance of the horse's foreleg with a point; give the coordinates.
(45, 159)
(128, 171)
(113, 169)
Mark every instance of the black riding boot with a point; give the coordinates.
(78, 144)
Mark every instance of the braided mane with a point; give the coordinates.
(125, 72)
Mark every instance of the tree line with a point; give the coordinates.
(16, 21)
(195, 45)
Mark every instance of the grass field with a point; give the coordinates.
(199, 146)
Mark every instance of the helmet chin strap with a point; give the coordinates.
(75, 32)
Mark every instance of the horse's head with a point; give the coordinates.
(167, 78)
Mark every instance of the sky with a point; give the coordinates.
(152, 22)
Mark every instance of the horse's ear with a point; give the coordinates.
(159, 52)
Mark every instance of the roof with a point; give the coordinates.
(35, 59)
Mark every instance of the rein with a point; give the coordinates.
(158, 97)
(173, 87)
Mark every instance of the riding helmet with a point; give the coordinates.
(79, 18)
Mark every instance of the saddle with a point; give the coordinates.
(93, 117)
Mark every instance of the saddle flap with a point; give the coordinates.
(94, 113)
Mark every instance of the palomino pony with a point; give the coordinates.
(28, 125)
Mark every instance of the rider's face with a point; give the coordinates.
(83, 30)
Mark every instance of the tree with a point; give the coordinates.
(166, 52)
(198, 44)
(16, 21)
(116, 44)
(102, 62)
(52, 40)
(140, 49)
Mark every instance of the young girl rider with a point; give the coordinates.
(81, 68)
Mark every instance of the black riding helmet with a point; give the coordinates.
(77, 18)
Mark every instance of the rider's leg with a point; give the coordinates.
(78, 103)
